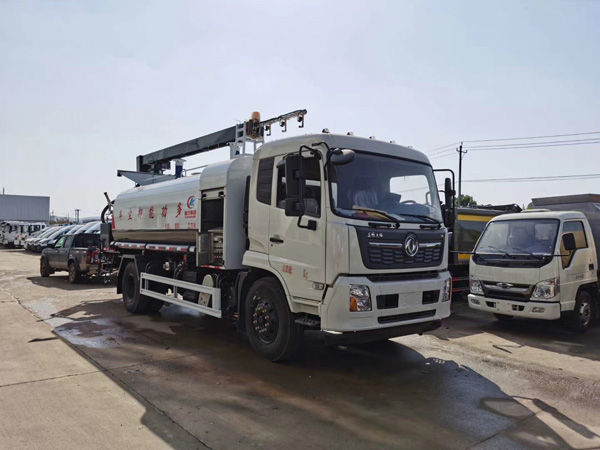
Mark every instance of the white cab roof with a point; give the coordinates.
(560, 215)
(285, 146)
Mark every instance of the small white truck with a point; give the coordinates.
(539, 264)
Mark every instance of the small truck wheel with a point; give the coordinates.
(581, 318)
(74, 274)
(503, 317)
(271, 327)
(132, 299)
(45, 270)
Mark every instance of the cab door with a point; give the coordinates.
(296, 253)
(578, 265)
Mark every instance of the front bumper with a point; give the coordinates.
(551, 309)
(411, 309)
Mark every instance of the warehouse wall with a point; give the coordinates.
(25, 208)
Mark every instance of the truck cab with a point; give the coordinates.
(537, 264)
(370, 251)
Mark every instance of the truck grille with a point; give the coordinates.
(516, 292)
(397, 256)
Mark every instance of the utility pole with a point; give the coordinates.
(76, 216)
(461, 152)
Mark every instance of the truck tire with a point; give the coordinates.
(503, 317)
(132, 299)
(581, 318)
(271, 327)
(74, 274)
(45, 270)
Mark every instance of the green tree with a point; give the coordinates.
(466, 200)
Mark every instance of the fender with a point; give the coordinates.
(74, 261)
(261, 261)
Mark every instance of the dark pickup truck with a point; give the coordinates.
(79, 254)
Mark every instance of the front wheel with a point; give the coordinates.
(45, 270)
(581, 317)
(270, 324)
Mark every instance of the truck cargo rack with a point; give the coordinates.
(215, 293)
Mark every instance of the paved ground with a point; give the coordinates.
(78, 371)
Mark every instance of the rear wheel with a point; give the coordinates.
(132, 299)
(74, 274)
(270, 325)
(503, 317)
(45, 270)
(581, 317)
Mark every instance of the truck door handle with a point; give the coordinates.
(276, 240)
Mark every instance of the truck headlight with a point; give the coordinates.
(447, 292)
(360, 298)
(546, 289)
(475, 286)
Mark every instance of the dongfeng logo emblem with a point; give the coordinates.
(411, 245)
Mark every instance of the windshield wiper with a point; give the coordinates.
(377, 211)
(424, 218)
(525, 252)
(499, 250)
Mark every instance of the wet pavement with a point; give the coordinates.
(474, 383)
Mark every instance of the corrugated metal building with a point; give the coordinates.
(26, 208)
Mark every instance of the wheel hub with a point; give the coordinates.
(585, 311)
(265, 320)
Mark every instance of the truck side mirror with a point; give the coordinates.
(568, 241)
(449, 194)
(295, 180)
(294, 208)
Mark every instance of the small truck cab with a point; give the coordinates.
(538, 264)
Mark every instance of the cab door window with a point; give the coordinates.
(576, 228)
(61, 242)
(312, 195)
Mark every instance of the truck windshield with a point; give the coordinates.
(378, 187)
(519, 237)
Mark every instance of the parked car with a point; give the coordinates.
(30, 243)
(78, 254)
(51, 240)
(90, 227)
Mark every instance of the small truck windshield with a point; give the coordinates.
(377, 187)
(518, 237)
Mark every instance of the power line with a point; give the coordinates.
(536, 137)
(537, 144)
(515, 139)
(590, 176)
(449, 152)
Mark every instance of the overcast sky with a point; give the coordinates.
(85, 87)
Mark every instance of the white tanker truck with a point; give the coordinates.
(329, 232)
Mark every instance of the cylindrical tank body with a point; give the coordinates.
(170, 212)
(165, 212)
